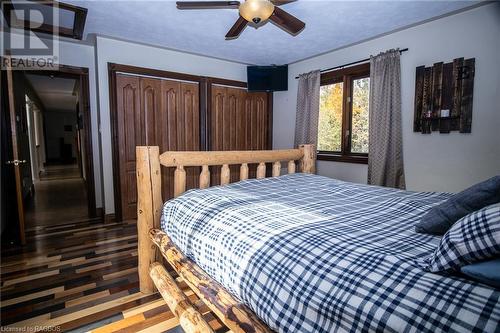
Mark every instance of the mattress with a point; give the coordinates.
(312, 254)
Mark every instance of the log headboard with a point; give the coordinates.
(149, 201)
(204, 159)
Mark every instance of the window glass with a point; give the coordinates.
(330, 117)
(360, 108)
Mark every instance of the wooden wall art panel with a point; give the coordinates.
(443, 97)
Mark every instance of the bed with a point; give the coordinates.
(299, 252)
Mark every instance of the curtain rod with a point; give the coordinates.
(351, 63)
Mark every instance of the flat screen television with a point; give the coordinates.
(267, 78)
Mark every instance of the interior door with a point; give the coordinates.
(19, 159)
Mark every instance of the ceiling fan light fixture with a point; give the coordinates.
(256, 10)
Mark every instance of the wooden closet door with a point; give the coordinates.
(130, 133)
(166, 113)
(238, 121)
(256, 122)
(138, 106)
(154, 112)
(179, 129)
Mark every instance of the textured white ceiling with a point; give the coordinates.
(55, 93)
(329, 25)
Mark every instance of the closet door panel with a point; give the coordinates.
(250, 132)
(150, 108)
(128, 103)
(170, 102)
(190, 106)
(238, 121)
(261, 111)
(257, 121)
(236, 142)
(216, 141)
(226, 125)
(167, 132)
(233, 109)
(180, 128)
(154, 112)
(216, 117)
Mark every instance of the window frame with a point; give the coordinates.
(346, 76)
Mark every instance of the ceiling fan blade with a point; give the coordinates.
(281, 2)
(207, 4)
(287, 21)
(237, 28)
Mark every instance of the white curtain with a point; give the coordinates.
(385, 160)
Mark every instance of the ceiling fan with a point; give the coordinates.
(251, 11)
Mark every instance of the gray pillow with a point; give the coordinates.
(441, 217)
(487, 272)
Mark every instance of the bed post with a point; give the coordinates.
(149, 204)
(308, 161)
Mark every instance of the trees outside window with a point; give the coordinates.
(344, 115)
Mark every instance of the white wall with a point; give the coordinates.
(81, 54)
(30, 112)
(39, 138)
(435, 162)
(122, 52)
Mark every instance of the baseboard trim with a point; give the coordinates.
(108, 218)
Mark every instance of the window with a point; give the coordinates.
(343, 115)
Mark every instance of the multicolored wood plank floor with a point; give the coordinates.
(80, 277)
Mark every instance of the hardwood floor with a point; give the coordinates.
(63, 171)
(60, 196)
(82, 277)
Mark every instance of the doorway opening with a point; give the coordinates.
(50, 124)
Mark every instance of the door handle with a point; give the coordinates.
(16, 162)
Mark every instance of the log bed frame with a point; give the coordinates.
(235, 315)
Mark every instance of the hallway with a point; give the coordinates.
(60, 196)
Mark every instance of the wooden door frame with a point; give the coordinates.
(204, 88)
(81, 74)
(11, 97)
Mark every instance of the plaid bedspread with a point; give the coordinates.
(314, 254)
